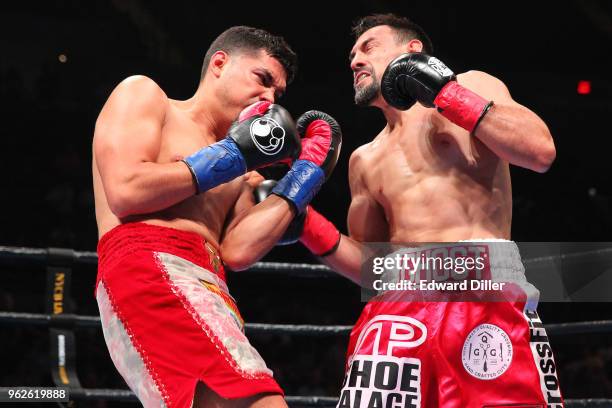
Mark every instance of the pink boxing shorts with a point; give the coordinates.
(490, 351)
(169, 321)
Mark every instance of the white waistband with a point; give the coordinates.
(504, 261)
(503, 256)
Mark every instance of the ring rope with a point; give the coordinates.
(78, 321)
(43, 255)
(68, 256)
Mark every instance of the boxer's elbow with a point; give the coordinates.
(237, 259)
(122, 203)
(546, 159)
(545, 156)
(237, 265)
(121, 209)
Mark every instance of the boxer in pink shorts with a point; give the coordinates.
(457, 347)
(438, 172)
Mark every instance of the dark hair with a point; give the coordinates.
(405, 29)
(249, 39)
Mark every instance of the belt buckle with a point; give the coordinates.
(215, 260)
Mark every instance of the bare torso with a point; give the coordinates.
(432, 181)
(205, 213)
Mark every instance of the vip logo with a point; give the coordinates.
(439, 67)
(487, 352)
(268, 136)
(388, 334)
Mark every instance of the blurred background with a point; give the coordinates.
(61, 59)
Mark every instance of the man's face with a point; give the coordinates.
(369, 58)
(252, 77)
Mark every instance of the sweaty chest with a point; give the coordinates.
(427, 150)
(181, 138)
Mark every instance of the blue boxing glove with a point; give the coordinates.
(321, 142)
(263, 134)
(312, 229)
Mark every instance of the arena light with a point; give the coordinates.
(584, 87)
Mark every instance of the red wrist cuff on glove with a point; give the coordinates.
(320, 236)
(461, 106)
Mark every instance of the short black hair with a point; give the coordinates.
(405, 29)
(243, 38)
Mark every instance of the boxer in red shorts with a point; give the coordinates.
(437, 172)
(434, 348)
(173, 184)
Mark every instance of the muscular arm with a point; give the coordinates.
(252, 230)
(126, 144)
(510, 130)
(366, 223)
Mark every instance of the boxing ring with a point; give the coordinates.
(63, 322)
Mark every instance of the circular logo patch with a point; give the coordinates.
(268, 136)
(487, 352)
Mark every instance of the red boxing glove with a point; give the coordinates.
(320, 236)
(461, 106)
(321, 139)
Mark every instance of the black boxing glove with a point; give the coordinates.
(263, 134)
(313, 230)
(418, 77)
(295, 228)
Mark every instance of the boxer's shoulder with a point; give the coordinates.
(134, 97)
(141, 83)
(475, 75)
(139, 91)
(359, 157)
(369, 153)
(361, 162)
(486, 84)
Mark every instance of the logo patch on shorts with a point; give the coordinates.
(487, 352)
(382, 381)
(267, 135)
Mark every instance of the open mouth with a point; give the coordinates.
(361, 75)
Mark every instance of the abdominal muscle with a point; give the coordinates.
(203, 214)
(107, 221)
(435, 182)
(446, 209)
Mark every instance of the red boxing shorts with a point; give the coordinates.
(406, 352)
(169, 321)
